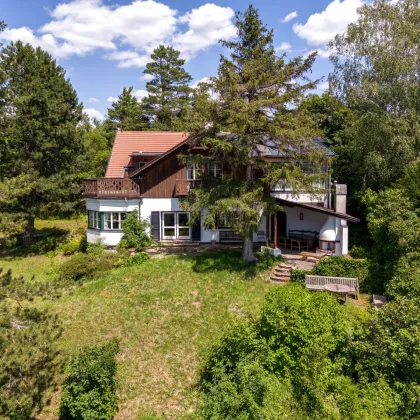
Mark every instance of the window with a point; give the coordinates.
(141, 164)
(113, 221)
(214, 169)
(193, 171)
(94, 221)
(225, 221)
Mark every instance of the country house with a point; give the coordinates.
(145, 173)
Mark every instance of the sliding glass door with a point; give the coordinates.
(175, 225)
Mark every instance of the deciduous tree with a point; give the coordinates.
(376, 75)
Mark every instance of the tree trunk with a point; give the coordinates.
(28, 235)
(248, 250)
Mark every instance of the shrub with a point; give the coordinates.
(85, 266)
(406, 280)
(342, 267)
(89, 391)
(298, 276)
(134, 232)
(137, 259)
(72, 246)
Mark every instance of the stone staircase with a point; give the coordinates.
(281, 273)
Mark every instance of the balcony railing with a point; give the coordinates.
(183, 186)
(111, 187)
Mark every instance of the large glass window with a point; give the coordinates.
(94, 220)
(113, 221)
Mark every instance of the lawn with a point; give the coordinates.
(165, 312)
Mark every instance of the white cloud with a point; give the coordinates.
(112, 99)
(93, 100)
(207, 25)
(290, 16)
(127, 33)
(284, 46)
(324, 86)
(321, 53)
(140, 94)
(146, 77)
(94, 114)
(320, 28)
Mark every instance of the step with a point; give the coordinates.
(288, 266)
(276, 277)
(281, 270)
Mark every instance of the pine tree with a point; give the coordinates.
(127, 113)
(28, 347)
(38, 141)
(170, 95)
(258, 105)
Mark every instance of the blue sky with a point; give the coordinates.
(104, 44)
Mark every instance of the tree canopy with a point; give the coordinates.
(376, 75)
(39, 145)
(126, 113)
(256, 107)
(169, 93)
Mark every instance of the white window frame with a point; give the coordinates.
(194, 171)
(176, 226)
(215, 169)
(109, 217)
(94, 219)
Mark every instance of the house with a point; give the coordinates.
(145, 173)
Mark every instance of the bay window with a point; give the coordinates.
(113, 221)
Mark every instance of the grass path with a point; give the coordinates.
(166, 312)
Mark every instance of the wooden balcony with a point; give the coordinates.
(111, 188)
(184, 186)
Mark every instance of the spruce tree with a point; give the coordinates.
(257, 107)
(39, 145)
(126, 113)
(170, 96)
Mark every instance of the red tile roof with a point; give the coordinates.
(127, 142)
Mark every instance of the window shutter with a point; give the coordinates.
(196, 230)
(155, 229)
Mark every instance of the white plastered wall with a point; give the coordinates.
(110, 238)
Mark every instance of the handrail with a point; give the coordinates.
(111, 187)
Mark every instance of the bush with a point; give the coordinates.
(89, 391)
(406, 280)
(85, 266)
(342, 267)
(72, 246)
(137, 259)
(298, 276)
(134, 232)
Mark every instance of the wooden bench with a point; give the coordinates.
(318, 283)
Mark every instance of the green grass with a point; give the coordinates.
(166, 313)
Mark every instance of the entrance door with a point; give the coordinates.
(281, 225)
(176, 225)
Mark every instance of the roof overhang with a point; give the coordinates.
(145, 154)
(314, 207)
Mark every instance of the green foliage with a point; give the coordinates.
(376, 75)
(390, 349)
(137, 259)
(298, 276)
(126, 113)
(169, 93)
(73, 245)
(89, 391)
(29, 359)
(343, 267)
(134, 232)
(410, 183)
(250, 82)
(39, 145)
(85, 266)
(406, 277)
(394, 226)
